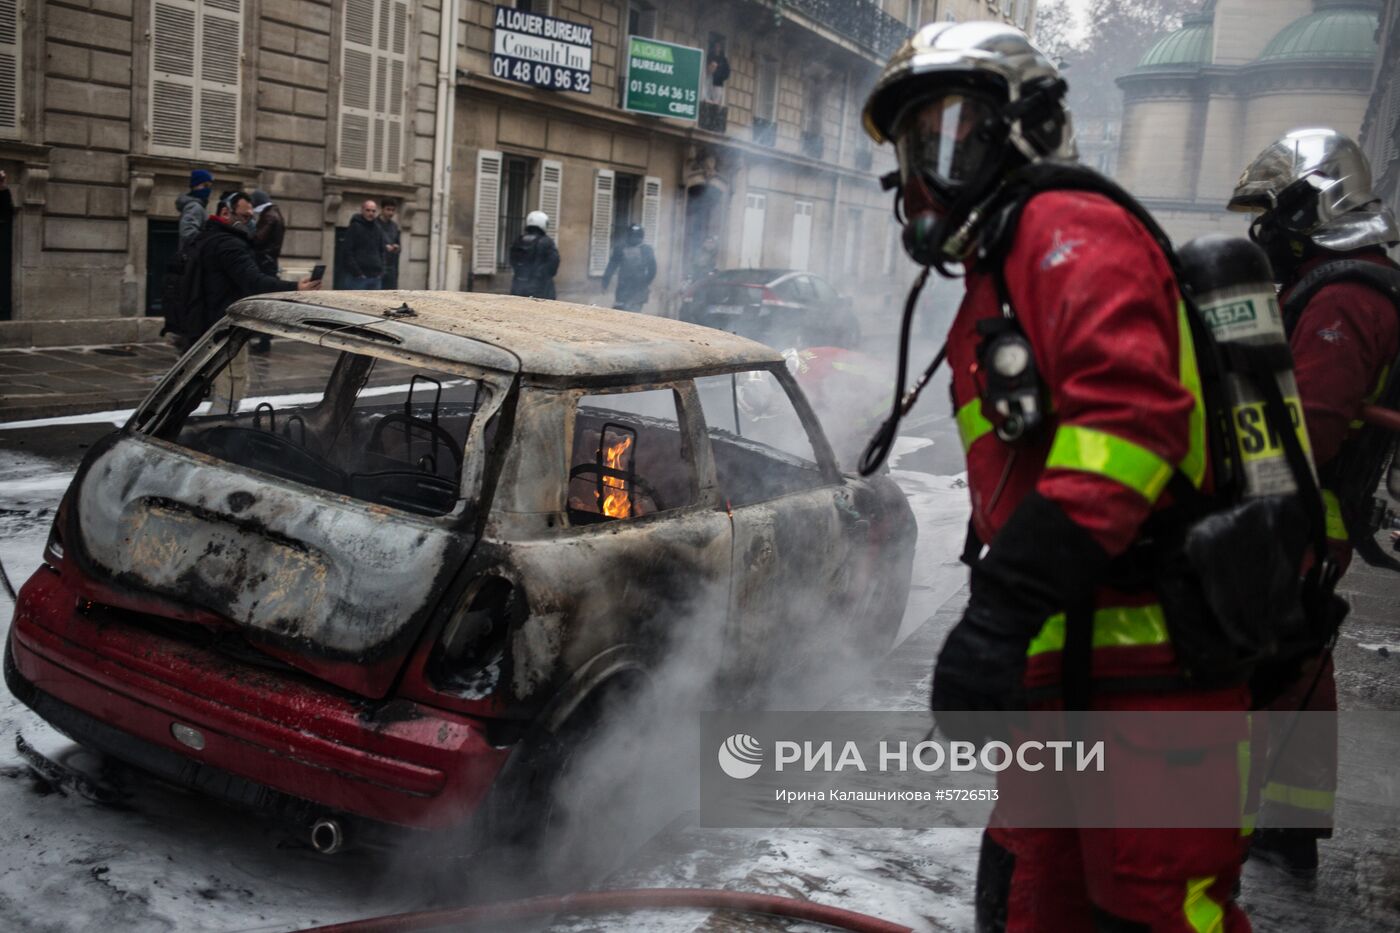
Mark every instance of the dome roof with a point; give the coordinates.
(1187, 47)
(1345, 31)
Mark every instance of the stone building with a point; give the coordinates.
(111, 103)
(108, 105)
(776, 169)
(1380, 132)
(1237, 75)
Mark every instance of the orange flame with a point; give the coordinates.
(617, 503)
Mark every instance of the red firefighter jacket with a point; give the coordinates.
(1343, 344)
(1100, 306)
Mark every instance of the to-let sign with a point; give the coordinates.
(542, 51)
(662, 79)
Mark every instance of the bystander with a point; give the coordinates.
(222, 269)
(364, 249)
(194, 206)
(390, 227)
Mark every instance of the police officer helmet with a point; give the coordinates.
(537, 219)
(1313, 186)
(635, 234)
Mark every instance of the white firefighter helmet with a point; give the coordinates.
(991, 64)
(537, 219)
(1316, 184)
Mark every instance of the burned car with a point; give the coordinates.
(366, 593)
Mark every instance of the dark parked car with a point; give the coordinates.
(382, 597)
(779, 307)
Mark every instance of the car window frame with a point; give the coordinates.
(821, 447)
(218, 345)
(818, 283)
(693, 438)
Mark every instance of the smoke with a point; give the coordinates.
(635, 771)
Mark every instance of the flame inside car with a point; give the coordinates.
(618, 501)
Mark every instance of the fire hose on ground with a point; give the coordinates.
(625, 900)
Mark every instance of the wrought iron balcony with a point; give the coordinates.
(714, 117)
(861, 21)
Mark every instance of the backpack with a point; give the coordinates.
(1355, 473)
(191, 305)
(1230, 620)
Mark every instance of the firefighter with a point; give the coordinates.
(1312, 192)
(1061, 479)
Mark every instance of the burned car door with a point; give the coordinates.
(796, 526)
(615, 532)
(317, 523)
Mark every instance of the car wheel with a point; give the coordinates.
(572, 802)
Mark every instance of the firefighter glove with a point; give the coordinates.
(1040, 563)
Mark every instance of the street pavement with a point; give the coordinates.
(174, 861)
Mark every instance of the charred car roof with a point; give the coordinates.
(549, 340)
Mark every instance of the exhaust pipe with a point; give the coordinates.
(327, 836)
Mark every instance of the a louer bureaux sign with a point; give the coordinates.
(542, 51)
(663, 79)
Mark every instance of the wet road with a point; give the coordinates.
(176, 862)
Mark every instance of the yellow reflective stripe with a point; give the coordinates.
(1194, 464)
(1114, 627)
(1300, 798)
(972, 425)
(1203, 914)
(1336, 527)
(1092, 451)
(1358, 424)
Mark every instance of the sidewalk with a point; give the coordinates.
(50, 382)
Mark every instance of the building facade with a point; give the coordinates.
(113, 102)
(1237, 75)
(776, 172)
(1380, 131)
(109, 104)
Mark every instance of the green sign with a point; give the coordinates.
(662, 79)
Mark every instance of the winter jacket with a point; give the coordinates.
(635, 267)
(534, 259)
(1346, 337)
(1099, 306)
(221, 270)
(390, 231)
(364, 247)
(193, 213)
(1343, 345)
(268, 237)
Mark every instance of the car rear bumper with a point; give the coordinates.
(273, 741)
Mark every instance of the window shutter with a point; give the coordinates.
(751, 246)
(802, 235)
(173, 54)
(600, 236)
(651, 209)
(220, 40)
(356, 85)
(488, 210)
(373, 74)
(10, 59)
(551, 191)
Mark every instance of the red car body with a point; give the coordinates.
(361, 601)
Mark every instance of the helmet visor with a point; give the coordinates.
(938, 138)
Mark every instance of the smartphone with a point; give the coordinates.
(318, 272)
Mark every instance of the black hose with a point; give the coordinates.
(9, 587)
(878, 450)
